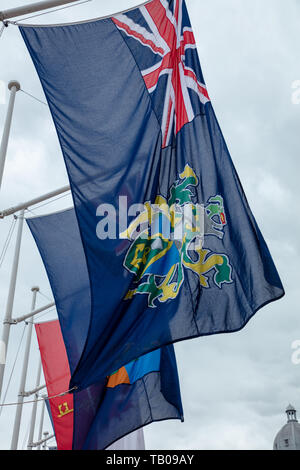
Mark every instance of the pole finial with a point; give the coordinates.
(35, 289)
(14, 83)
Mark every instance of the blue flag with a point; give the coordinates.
(144, 391)
(138, 131)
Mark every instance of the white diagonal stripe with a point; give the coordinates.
(193, 71)
(140, 30)
(170, 15)
(171, 123)
(166, 105)
(154, 29)
(163, 72)
(190, 83)
(179, 24)
(185, 93)
(151, 69)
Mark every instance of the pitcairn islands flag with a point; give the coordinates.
(136, 127)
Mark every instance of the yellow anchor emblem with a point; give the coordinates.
(65, 411)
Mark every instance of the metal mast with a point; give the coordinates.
(16, 430)
(13, 86)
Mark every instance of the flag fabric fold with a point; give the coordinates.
(102, 415)
(135, 396)
(136, 126)
(57, 375)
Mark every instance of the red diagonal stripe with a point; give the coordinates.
(187, 41)
(151, 78)
(165, 27)
(188, 38)
(202, 89)
(180, 110)
(131, 32)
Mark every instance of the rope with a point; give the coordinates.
(40, 315)
(40, 399)
(46, 296)
(33, 213)
(8, 240)
(32, 96)
(13, 368)
(47, 12)
(46, 203)
(50, 202)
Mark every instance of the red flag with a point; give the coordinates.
(57, 375)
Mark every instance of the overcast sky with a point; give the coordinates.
(235, 387)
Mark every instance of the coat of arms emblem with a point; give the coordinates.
(169, 237)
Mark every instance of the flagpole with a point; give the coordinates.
(32, 392)
(15, 321)
(16, 430)
(46, 438)
(33, 202)
(10, 300)
(43, 441)
(13, 86)
(41, 424)
(34, 409)
(32, 8)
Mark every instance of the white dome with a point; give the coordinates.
(288, 437)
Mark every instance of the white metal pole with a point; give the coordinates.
(16, 430)
(34, 409)
(32, 392)
(32, 8)
(13, 86)
(14, 321)
(43, 441)
(41, 424)
(10, 300)
(33, 202)
(46, 434)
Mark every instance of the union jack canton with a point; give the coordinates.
(161, 39)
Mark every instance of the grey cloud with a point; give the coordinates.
(234, 387)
